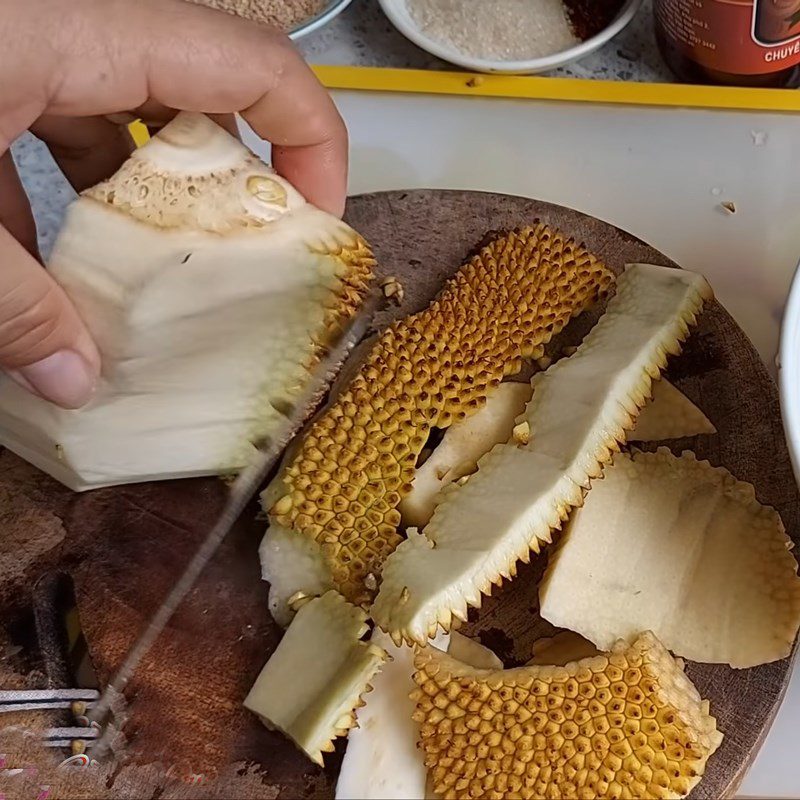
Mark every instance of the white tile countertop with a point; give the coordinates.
(362, 36)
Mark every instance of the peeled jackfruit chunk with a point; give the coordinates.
(684, 549)
(311, 686)
(669, 415)
(580, 411)
(428, 370)
(626, 724)
(382, 760)
(209, 285)
(462, 445)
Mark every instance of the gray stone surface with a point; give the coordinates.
(362, 36)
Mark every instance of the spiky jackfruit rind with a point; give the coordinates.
(625, 724)
(685, 549)
(427, 370)
(579, 414)
(312, 684)
(210, 287)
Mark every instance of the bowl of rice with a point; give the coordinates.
(521, 37)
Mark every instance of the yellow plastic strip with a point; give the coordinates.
(139, 133)
(568, 90)
(576, 90)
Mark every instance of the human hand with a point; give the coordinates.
(64, 68)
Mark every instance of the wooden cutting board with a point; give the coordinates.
(125, 546)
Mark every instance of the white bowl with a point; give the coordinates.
(330, 11)
(789, 372)
(398, 14)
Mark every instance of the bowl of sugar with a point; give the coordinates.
(520, 37)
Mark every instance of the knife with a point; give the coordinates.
(242, 490)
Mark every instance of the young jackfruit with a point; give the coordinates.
(311, 686)
(580, 411)
(428, 370)
(626, 724)
(209, 285)
(683, 549)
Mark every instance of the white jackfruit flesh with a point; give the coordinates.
(628, 723)
(684, 549)
(209, 285)
(669, 415)
(313, 682)
(463, 443)
(561, 649)
(580, 411)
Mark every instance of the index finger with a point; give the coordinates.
(113, 55)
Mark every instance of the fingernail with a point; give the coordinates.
(63, 378)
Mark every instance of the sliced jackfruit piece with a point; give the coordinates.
(310, 687)
(625, 724)
(669, 415)
(683, 548)
(463, 443)
(425, 371)
(471, 652)
(561, 649)
(382, 760)
(580, 410)
(209, 285)
(291, 564)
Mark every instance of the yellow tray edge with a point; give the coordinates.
(574, 90)
(557, 89)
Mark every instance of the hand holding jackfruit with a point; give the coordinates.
(210, 287)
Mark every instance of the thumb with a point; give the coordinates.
(44, 345)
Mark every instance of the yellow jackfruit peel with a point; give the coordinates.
(432, 368)
(684, 549)
(626, 723)
(580, 411)
(312, 685)
(210, 287)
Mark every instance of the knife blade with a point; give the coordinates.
(242, 490)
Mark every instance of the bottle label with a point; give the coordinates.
(743, 37)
